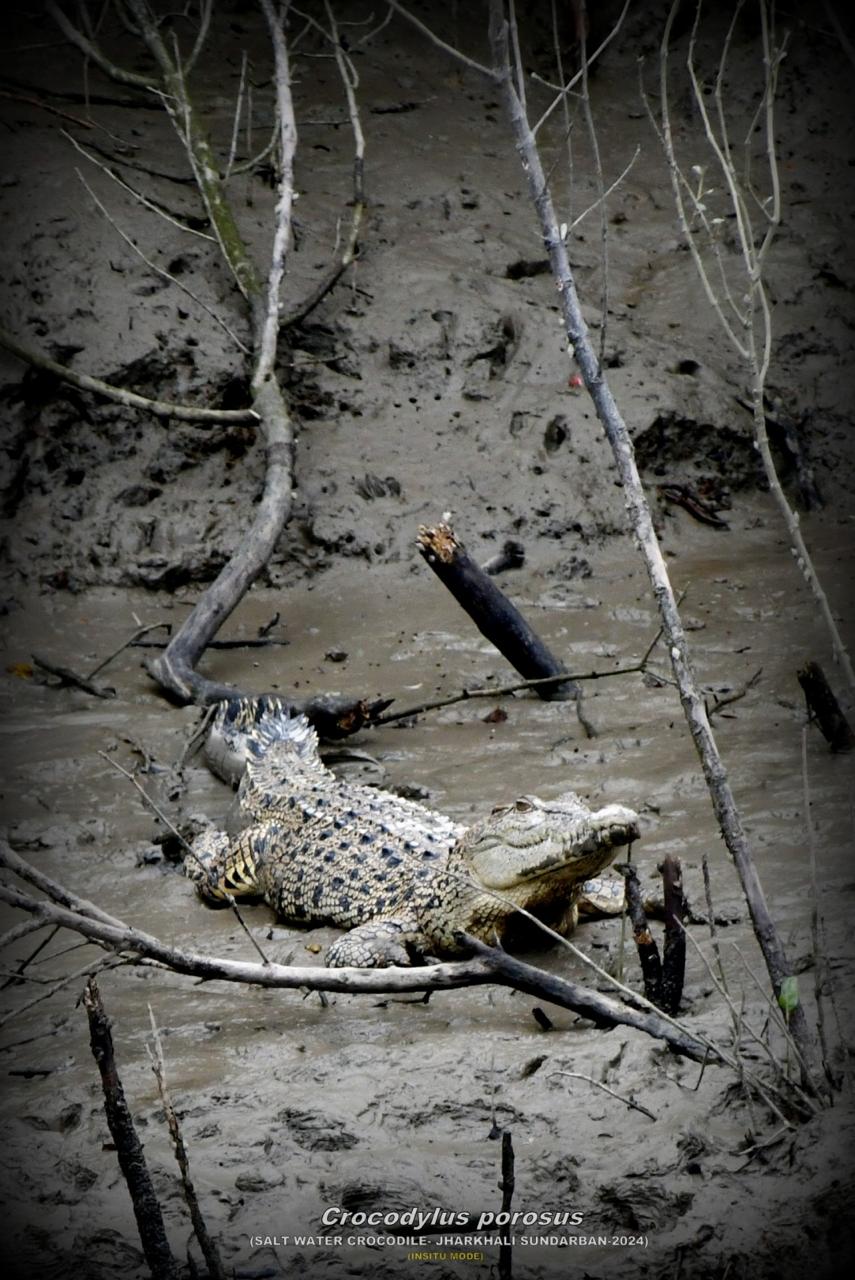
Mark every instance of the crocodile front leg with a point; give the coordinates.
(379, 944)
(220, 868)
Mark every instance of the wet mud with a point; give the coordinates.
(434, 379)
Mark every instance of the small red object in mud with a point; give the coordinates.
(575, 381)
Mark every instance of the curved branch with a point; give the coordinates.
(336, 271)
(160, 408)
(174, 669)
(490, 967)
(90, 50)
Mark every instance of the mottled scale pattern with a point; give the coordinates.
(402, 878)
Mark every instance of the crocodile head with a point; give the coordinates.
(527, 848)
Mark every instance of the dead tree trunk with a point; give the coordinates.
(491, 611)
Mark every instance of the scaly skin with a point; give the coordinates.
(403, 879)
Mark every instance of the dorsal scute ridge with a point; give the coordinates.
(245, 729)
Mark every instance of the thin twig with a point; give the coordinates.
(93, 51)
(440, 43)
(574, 80)
(728, 698)
(138, 634)
(206, 8)
(236, 125)
(598, 1084)
(498, 691)
(161, 271)
(740, 1024)
(188, 848)
(132, 191)
(33, 956)
(350, 82)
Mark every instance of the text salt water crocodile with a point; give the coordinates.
(404, 879)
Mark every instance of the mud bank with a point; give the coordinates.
(434, 378)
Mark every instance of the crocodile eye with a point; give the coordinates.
(500, 808)
(523, 806)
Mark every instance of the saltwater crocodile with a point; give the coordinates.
(405, 880)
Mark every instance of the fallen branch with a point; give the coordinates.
(501, 690)
(160, 408)
(30, 101)
(129, 1149)
(138, 634)
(489, 967)
(726, 699)
(68, 677)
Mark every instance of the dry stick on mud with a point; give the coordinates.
(638, 510)
(129, 1149)
(67, 678)
(598, 1084)
(739, 298)
(497, 691)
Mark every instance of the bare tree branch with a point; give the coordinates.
(160, 408)
(490, 967)
(642, 525)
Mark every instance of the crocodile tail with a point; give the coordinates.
(245, 729)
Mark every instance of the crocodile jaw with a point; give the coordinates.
(536, 840)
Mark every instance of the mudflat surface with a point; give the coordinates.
(434, 378)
